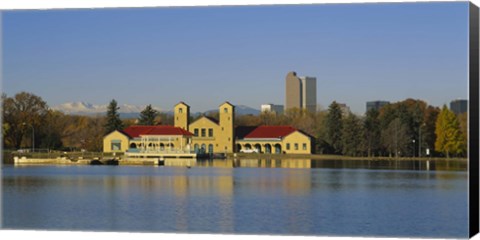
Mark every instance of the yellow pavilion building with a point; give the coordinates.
(209, 135)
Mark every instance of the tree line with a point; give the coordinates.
(402, 129)
(28, 122)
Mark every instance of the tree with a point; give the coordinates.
(25, 114)
(463, 120)
(352, 136)
(94, 141)
(268, 118)
(147, 116)
(449, 137)
(428, 131)
(51, 138)
(321, 133)
(334, 127)
(395, 138)
(412, 114)
(372, 132)
(113, 121)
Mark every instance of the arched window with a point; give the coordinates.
(210, 148)
(268, 148)
(195, 148)
(239, 147)
(258, 147)
(278, 148)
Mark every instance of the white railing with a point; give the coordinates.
(165, 151)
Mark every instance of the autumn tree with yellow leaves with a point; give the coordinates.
(449, 136)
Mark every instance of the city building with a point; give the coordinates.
(277, 109)
(206, 135)
(376, 105)
(345, 109)
(300, 92)
(459, 106)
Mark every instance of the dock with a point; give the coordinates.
(159, 155)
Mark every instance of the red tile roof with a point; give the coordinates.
(270, 132)
(136, 131)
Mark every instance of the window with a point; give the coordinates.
(116, 146)
(288, 146)
(210, 132)
(203, 132)
(195, 148)
(195, 132)
(180, 110)
(210, 148)
(296, 146)
(304, 146)
(225, 110)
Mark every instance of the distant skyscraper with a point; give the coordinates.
(459, 106)
(345, 109)
(300, 92)
(277, 109)
(376, 105)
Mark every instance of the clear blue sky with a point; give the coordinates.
(206, 55)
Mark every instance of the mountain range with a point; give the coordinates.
(130, 111)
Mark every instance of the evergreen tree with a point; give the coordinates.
(147, 116)
(333, 125)
(449, 137)
(352, 136)
(113, 121)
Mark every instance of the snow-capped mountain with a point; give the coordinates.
(128, 110)
(241, 110)
(85, 108)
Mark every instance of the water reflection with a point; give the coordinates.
(237, 196)
(429, 165)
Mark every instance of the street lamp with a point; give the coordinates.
(33, 137)
(413, 147)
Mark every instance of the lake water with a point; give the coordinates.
(286, 197)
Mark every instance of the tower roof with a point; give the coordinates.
(183, 103)
(227, 102)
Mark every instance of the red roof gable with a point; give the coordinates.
(136, 131)
(271, 132)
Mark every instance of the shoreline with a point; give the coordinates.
(336, 157)
(73, 160)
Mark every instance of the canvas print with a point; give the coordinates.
(299, 120)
